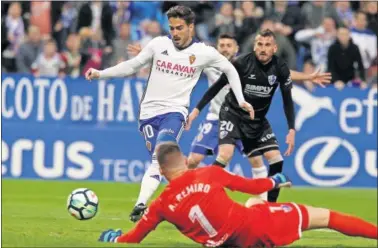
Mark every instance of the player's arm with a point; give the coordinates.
(220, 62)
(248, 185)
(286, 85)
(212, 92)
(288, 107)
(148, 223)
(219, 84)
(317, 77)
(207, 97)
(125, 68)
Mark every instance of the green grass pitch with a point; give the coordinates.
(34, 215)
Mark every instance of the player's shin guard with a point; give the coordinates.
(275, 166)
(261, 172)
(352, 226)
(150, 182)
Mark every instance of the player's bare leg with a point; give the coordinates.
(343, 223)
(259, 171)
(225, 153)
(275, 161)
(194, 160)
(253, 201)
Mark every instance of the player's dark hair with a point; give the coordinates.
(182, 12)
(226, 36)
(267, 33)
(164, 150)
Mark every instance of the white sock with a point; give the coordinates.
(261, 172)
(150, 182)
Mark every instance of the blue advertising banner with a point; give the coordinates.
(72, 129)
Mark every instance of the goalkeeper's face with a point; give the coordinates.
(181, 32)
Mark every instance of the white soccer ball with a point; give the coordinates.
(82, 204)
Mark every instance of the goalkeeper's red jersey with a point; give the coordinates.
(197, 204)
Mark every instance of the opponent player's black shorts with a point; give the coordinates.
(257, 136)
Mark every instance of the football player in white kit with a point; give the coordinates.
(206, 141)
(177, 62)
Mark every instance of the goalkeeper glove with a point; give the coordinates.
(281, 180)
(110, 235)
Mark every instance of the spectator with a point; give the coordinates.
(370, 9)
(251, 10)
(143, 10)
(288, 20)
(15, 35)
(203, 10)
(122, 14)
(343, 58)
(365, 39)
(285, 50)
(48, 63)
(120, 44)
(4, 45)
(265, 6)
(320, 39)
(29, 50)
(153, 30)
(314, 13)
(94, 48)
(15, 26)
(65, 24)
(72, 57)
(223, 22)
(344, 12)
(137, 33)
(249, 19)
(372, 74)
(40, 16)
(309, 68)
(4, 39)
(97, 16)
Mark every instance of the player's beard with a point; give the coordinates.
(264, 58)
(177, 41)
(227, 55)
(181, 43)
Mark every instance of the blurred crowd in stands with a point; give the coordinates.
(60, 38)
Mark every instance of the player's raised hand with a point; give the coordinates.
(192, 116)
(321, 78)
(290, 141)
(281, 181)
(134, 50)
(92, 74)
(248, 107)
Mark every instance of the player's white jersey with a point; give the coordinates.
(174, 73)
(215, 104)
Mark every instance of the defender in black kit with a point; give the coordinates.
(260, 72)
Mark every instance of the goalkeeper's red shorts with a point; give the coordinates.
(273, 224)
